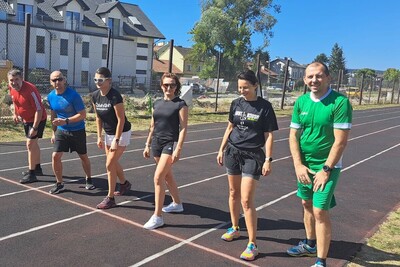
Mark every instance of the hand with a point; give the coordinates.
(320, 180)
(114, 145)
(220, 158)
(146, 152)
(59, 122)
(266, 169)
(16, 119)
(53, 138)
(100, 143)
(32, 132)
(176, 155)
(302, 174)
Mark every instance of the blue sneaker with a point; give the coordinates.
(302, 249)
(318, 264)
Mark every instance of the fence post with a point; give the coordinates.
(285, 81)
(27, 41)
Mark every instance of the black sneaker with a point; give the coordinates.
(38, 172)
(123, 188)
(28, 178)
(57, 188)
(89, 184)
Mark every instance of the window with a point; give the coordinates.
(72, 20)
(3, 15)
(141, 57)
(104, 51)
(85, 49)
(113, 24)
(64, 47)
(40, 44)
(84, 78)
(142, 45)
(141, 71)
(198, 68)
(22, 9)
(188, 67)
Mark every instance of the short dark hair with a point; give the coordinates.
(176, 79)
(14, 72)
(248, 75)
(326, 69)
(104, 71)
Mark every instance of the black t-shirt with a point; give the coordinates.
(166, 118)
(251, 120)
(105, 110)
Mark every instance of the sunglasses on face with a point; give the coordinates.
(100, 80)
(57, 80)
(171, 85)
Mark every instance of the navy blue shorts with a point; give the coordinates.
(162, 146)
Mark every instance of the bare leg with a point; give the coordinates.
(164, 164)
(323, 228)
(234, 198)
(111, 166)
(33, 153)
(172, 187)
(57, 166)
(248, 188)
(309, 220)
(86, 165)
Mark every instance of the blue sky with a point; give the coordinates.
(367, 30)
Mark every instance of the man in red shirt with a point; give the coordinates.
(28, 109)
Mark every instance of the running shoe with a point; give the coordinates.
(231, 234)
(302, 249)
(318, 264)
(250, 253)
(107, 203)
(89, 184)
(38, 172)
(57, 188)
(123, 188)
(154, 222)
(28, 178)
(173, 207)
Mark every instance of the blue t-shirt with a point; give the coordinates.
(67, 105)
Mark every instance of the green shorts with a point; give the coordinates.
(324, 200)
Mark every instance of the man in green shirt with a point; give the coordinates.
(319, 131)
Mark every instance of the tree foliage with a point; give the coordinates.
(227, 26)
(337, 61)
(323, 58)
(366, 72)
(391, 75)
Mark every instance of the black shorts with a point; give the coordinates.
(39, 134)
(244, 162)
(162, 146)
(69, 141)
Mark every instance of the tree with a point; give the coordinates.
(322, 58)
(337, 61)
(367, 73)
(226, 26)
(392, 75)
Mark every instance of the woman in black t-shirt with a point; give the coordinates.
(110, 116)
(168, 125)
(251, 123)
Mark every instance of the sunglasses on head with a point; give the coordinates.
(100, 80)
(57, 80)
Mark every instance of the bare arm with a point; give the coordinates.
(99, 128)
(183, 121)
(120, 113)
(224, 142)
(336, 152)
(146, 151)
(269, 141)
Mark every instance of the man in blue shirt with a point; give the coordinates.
(67, 116)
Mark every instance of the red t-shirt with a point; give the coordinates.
(27, 101)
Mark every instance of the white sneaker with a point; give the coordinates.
(173, 207)
(154, 223)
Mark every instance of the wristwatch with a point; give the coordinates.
(117, 141)
(326, 168)
(269, 159)
(67, 121)
(35, 129)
